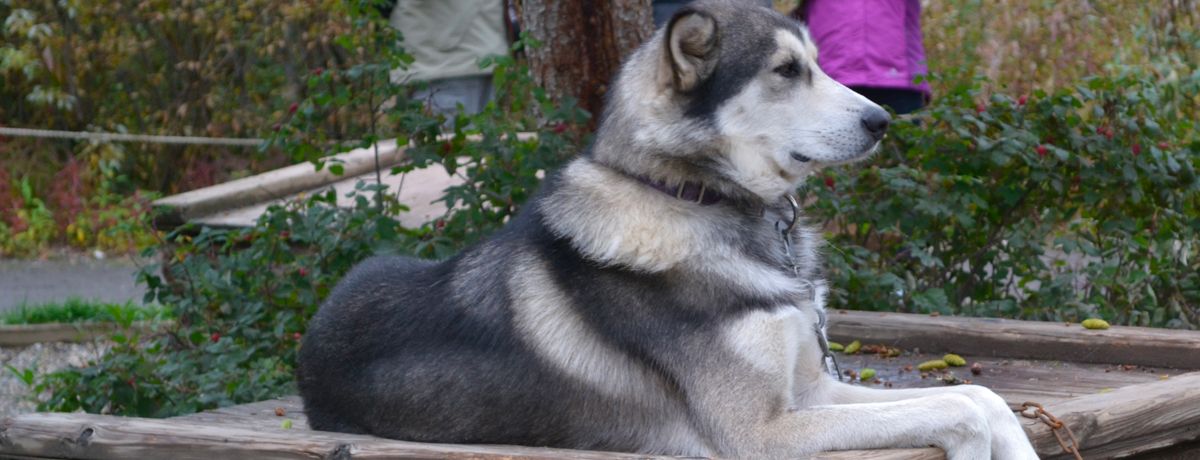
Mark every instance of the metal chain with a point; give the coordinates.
(1035, 411)
(785, 230)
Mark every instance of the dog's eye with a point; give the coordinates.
(791, 69)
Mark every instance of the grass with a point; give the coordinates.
(81, 311)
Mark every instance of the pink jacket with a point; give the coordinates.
(873, 43)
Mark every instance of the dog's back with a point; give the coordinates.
(391, 338)
(422, 351)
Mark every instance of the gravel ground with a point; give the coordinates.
(46, 357)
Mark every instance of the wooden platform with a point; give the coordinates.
(1118, 396)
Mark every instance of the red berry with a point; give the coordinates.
(447, 147)
(284, 234)
(560, 127)
(293, 108)
(1137, 149)
(1164, 145)
(318, 71)
(1109, 133)
(1041, 150)
(980, 107)
(829, 183)
(1022, 100)
(439, 224)
(302, 271)
(296, 336)
(215, 337)
(276, 127)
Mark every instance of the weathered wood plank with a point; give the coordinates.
(419, 190)
(273, 184)
(88, 436)
(1128, 420)
(1016, 380)
(19, 335)
(1005, 338)
(215, 204)
(1125, 421)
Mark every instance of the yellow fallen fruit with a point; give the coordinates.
(834, 346)
(954, 360)
(932, 365)
(866, 374)
(853, 347)
(287, 424)
(1095, 323)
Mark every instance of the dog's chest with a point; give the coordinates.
(781, 344)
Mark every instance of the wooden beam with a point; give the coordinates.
(101, 437)
(20, 335)
(1127, 420)
(281, 182)
(89, 436)
(178, 209)
(1005, 338)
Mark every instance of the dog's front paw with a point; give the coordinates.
(1009, 441)
(971, 437)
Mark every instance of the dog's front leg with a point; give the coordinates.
(770, 398)
(950, 421)
(1008, 439)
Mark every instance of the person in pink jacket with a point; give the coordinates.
(872, 46)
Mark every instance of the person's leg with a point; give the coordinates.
(444, 95)
(900, 100)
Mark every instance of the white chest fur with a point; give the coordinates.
(780, 344)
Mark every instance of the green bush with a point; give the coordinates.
(975, 208)
(26, 225)
(220, 68)
(242, 298)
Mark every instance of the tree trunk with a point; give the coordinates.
(583, 43)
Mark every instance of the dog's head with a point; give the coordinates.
(744, 79)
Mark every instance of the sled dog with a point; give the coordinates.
(661, 294)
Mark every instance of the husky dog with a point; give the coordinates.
(657, 295)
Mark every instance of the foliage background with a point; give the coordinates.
(227, 68)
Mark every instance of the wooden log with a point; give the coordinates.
(1126, 421)
(178, 209)
(1005, 338)
(20, 335)
(100, 437)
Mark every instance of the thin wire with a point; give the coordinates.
(121, 137)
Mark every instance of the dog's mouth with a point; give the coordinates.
(800, 157)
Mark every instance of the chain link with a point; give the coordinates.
(1035, 411)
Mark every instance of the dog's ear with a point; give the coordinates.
(691, 48)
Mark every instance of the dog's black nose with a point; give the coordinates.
(876, 120)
